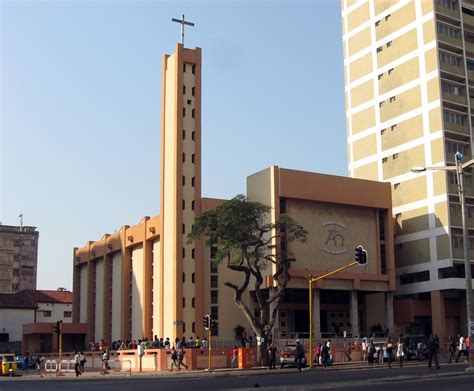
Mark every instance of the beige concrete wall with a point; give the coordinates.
(365, 147)
(360, 67)
(362, 93)
(395, 21)
(358, 16)
(156, 289)
(410, 191)
(99, 299)
(398, 48)
(399, 75)
(412, 221)
(116, 296)
(57, 312)
(363, 120)
(402, 162)
(368, 171)
(84, 294)
(137, 292)
(412, 253)
(402, 132)
(12, 320)
(357, 225)
(403, 103)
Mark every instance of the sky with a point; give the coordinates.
(80, 107)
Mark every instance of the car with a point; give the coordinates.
(288, 356)
(416, 346)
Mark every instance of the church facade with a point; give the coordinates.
(147, 280)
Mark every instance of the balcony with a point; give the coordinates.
(457, 70)
(470, 74)
(469, 47)
(450, 40)
(453, 189)
(454, 98)
(458, 253)
(468, 19)
(447, 12)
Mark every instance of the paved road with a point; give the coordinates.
(414, 378)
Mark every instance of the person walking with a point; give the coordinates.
(324, 355)
(174, 359)
(433, 346)
(364, 349)
(462, 349)
(181, 354)
(317, 354)
(401, 350)
(77, 364)
(451, 348)
(300, 355)
(82, 361)
(389, 349)
(272, 352)
(235, 357)
(370, 352)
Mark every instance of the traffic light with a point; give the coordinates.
(361, 255)
(207, 322)
(59, 326)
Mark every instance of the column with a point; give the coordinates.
(389, 311)
(316, 315)
(354, 313)
(276, 326)
(438, 316)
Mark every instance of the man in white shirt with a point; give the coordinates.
(462, 347)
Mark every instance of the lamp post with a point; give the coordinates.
(459, 168)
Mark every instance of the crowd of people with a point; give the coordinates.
(145, 343)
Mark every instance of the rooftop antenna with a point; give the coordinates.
(182, 22)
(21, 221)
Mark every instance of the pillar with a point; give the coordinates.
(438, 316)
(276, 326)
(389, 311)
(354, 313)
(316, 315)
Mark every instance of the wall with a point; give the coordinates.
(57, 312)
(116, 295)
(12, 320)
(84, 294)
(137, 292)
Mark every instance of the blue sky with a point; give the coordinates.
(81, 99)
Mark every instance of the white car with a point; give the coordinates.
(288, 356)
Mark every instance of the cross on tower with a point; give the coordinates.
(182, 22)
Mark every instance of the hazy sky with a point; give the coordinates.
(81, 100)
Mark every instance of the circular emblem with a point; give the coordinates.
(334, 243)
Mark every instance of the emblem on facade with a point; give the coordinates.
(334, 243)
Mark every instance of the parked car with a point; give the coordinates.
(288, 356)
(417, 347)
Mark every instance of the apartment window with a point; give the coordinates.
(450, 4)
(183, 278)
(194, 69)
(192, 158)
(17, 242)
(214, 313)
(387, 17)
(192, 181)
(455, 210)
(184, 111)
(16, 272)
(67, 314)
(390, 71)
(396, 185)
(451, 88)
(16, 257)
(184, 157)
(183, 180)
(192, 135)
(395, 156)
(452, 147)
(184, 302)
(381, 103)
(452, 178)
(184, 134)
(184, 228)
(389, 43)
(382, 131)
(192, 204)
(449, 59)
(193, 91)
(192, 113)
(470, 64)
(214, 282)
(412, 278)
(457, 241)
(193, 252)
(393, 127)
(183, 203)
(213, 267)
(47, 314)
(193, 278)
(447, 30)
(384, 160)
(27, 271)
(380, 76)
(183, 252)
(190, 102)
(392, 99)
(214, 297)
(184, 90)
(379, 49)
(454, 118)
(193, 303)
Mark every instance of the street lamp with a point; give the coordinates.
(459, 168)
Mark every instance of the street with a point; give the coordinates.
(449, 377)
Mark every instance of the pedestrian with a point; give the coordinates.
(451, 348)
(433, 346)
(401, 350)
(317, 354)
(235, 357)
(371, 352)
(389, 349)
(348, 350)
(181, 354)
(82, 361)
(77, 364)
(204, 343)
(325, 355)
(272, 351)
(300, 356)
(26, 363)
(364, 349)
(462, 347)
(174, 359)
(105, 362)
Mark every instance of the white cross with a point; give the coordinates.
(182, 22)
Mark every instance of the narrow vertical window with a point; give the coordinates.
(192, 205)
(184, 111)
(184, 204)
(184, 180)
(184, 134)
(184, 67)
(184, 157)
(192, 113)
(194, 69)
(193, 135)
(192, 158)
(192, 181)
(184, 228)
(184, 90)
(193, 91)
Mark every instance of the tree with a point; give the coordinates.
(245, 242)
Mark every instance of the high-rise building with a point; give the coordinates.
(409, 79)
(18, 258)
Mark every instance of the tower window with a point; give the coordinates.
(193, 253)
(193, 91)
(389, 43)
(398, 216)
(382, 131)
(190, 102)
(379, 49)
(395, 156)
(194, 69)
(184, 134)
(184, 180)
(384, 160)
(393, 127)
(193, 327)
(184, 204)
(184, 277)
(192, 205)
(192, 158)
(184, 111)
(193, 278)
(192, 113)
(193, 135)
(184, 302)
(381, 103)
(377, 23)
(390, 71)
(192, 181)
(380, 76)
(193, 302)
(184, 157)
(183, 228)
(183, 252)
(392, 99)
(396, 185)
(184, 90)
(184, 67)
